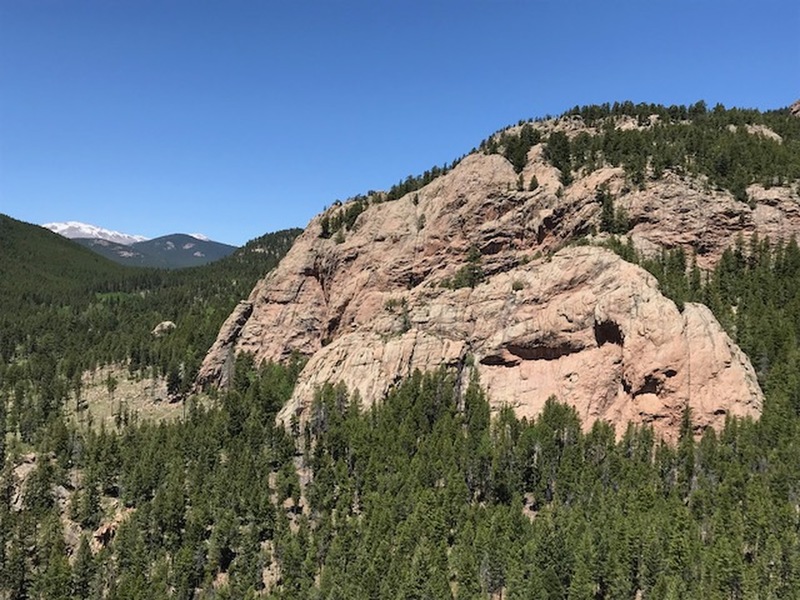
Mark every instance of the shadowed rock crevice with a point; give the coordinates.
(543, 351)
(323, 271)
(499, 360)
(320, 279)
(333, 325)
(651, 385)
(493, 247)
(608, 332)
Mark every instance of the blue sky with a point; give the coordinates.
(237, 118)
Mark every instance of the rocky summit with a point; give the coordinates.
(480, 271)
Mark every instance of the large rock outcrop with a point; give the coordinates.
(578, 323)
(584, 326)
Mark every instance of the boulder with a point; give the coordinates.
(163, 328)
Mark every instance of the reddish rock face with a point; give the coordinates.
(578, 323)
(586, 327)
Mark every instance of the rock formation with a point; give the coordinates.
(547, 319)
(585, 326)
(163, 328)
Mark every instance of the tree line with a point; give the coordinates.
(424, 495)
(724, 145)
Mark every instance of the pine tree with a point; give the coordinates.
(583, 585)
(82, 570)
(52, 579)
(557, 152)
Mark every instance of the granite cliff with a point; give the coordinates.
(545, 316)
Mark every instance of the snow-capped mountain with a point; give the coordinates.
(76, 229)
(171, 251)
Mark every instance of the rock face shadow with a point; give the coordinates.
(607, 332)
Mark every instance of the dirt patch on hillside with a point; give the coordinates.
(111, 395)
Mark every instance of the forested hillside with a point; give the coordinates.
(428, 493)
(64, 309)
(732, 147)
(421, 497)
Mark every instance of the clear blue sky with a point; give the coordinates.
(234, 118)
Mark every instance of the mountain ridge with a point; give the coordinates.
(172, 251)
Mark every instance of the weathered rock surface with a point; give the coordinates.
(585, 326)
(578, 323)
(163, 328)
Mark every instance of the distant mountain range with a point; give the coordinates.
(172, 251)
(76, 229)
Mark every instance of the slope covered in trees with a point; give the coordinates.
(733, 148)
(423, 496)
(64, 309)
